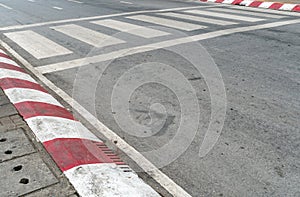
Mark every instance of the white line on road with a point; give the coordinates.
(5, 6)
(222, 15)
(88, 36)
(99, 17)
(198, 18)
(125, 2)
(134, 50)
(167, 22)
(136, 156)
(57, 8)
(32, 1)
(130, 28)
(74, 1)
(36, 44)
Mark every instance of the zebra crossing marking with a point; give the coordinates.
(167, 22)
(88, 36)
(37, 45)
(137, 30)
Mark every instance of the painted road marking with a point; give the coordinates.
(126, 2)
(246, 12)
(167, 22)
(145, 164)
(14, 27)
(198, 18)
(75, 156)
(222, 15)
(134, 50)
(88, 36)
(137, 157)
(74, 1)
(37, 45)
(5, 6)
(32, 1)
(131, 28)
(57, 8)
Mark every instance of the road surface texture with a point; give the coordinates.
(158, 72)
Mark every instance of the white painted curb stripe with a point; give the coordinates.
(8, 61)
(17, 95)
(48, 128)
(6, 73)
(113, 181)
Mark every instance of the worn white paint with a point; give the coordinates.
(143, 162)
(199, 18)
(57, 8)
(167, 22)
(107, 180)
(99, 17)
(88, 36)
(6, 73)
(137, 30)
(74, 1)
(17, 95)
(222, 15)
(134, 50)
(36, 44)
(47, 128)
(5, 6)
(8, 61)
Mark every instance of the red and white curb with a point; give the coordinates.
(260, 4)
(91, 167)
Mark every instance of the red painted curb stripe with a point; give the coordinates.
(276, 6)
(72, 152)
(30, 109)
(237, 2)
(255, 4)
(11, 67)
(4, 55)
(296, 8)
(7, 83)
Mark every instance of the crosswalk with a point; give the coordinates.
(144, 26)
(167, 22)
(198, 18)
(137, 30)
(37, 45)
(88, 36)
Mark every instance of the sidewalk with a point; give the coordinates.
(26, 169)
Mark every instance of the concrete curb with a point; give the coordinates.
(91, 167)
(260, 4)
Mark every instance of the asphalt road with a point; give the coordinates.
(161, 91)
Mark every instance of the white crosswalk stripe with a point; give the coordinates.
(198, 18)
(88, 36)
(246, 12)
(137, 30)
(222, 15)
(167, 22)
(37, 45)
